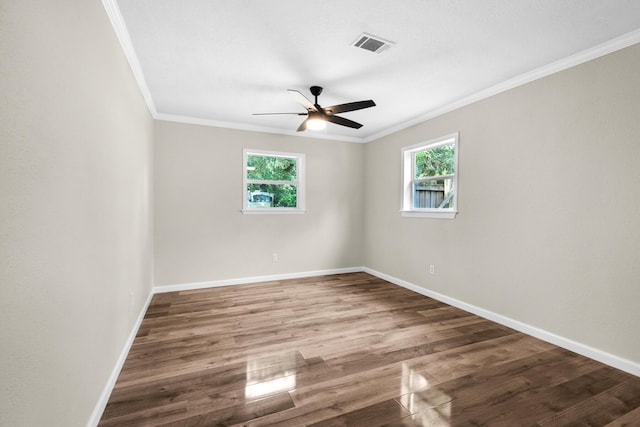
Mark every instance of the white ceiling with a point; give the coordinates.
(218, 61)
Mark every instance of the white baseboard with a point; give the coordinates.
(577, 347)
(583, 349)
(254, 279)
(111, 382)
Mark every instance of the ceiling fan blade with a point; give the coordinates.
(303, 126)
(350, 106)
(271, 114)
(342, 121)
(302, 100)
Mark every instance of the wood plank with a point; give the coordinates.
(379, 414)
(351, 349)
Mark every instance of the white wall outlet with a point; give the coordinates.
(432, 269)
(274, 257)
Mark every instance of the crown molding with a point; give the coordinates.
(595, 52)
(120, 28)
(245, 127)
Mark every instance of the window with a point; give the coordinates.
(430, 178)
(273, 182)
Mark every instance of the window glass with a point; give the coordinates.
(434, 162)
(272, 195)
(271, 168)
(273, 182)
(430, 176)
(433, 194)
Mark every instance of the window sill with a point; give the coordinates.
(275, 211)
(448, 214)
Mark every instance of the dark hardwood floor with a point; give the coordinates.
(351, 350)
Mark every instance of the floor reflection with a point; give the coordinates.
(267, 376)
(427, 405)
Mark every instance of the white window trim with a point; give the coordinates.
(299, 183)
(408, 168)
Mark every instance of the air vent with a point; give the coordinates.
(372, 43)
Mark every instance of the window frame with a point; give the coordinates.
(299, 183)
(408, 153)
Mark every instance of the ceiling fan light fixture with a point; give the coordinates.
(317, 117)
(316, 124)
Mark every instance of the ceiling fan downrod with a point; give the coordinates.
(315, 91)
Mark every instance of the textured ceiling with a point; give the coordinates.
(219, 61)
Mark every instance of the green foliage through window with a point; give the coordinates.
(272, 180)
(271, 168)
(429, 178)
(435, 162)
(272, 196)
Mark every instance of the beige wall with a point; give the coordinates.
(200, 233)
(75, 220)
(548, 231)
(549, 226)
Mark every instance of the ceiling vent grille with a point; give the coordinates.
(372, 43)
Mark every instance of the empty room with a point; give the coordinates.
(360, 213)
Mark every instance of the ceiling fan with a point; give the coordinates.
(317, 116)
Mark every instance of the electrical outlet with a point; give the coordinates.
(274, 257)
(432, 269)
